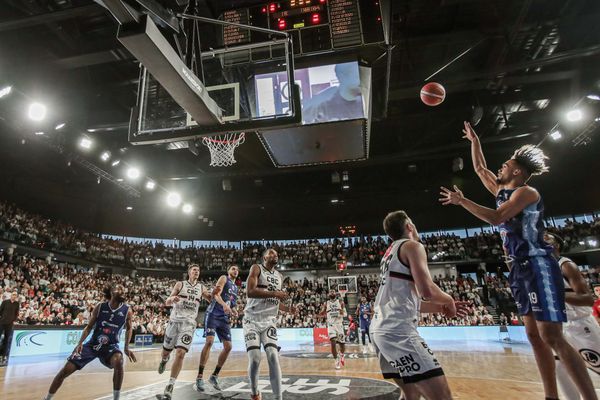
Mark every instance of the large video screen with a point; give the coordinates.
(327, 93)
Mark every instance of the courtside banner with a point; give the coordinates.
(320, 335)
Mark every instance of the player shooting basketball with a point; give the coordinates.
(535, 277)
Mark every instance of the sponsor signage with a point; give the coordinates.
(144, 340)
(320, 335)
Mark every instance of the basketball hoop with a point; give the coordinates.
(342, 290)
(222, 148)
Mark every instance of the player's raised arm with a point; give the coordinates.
(253, 291)
(488, 178)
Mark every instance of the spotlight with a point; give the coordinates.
(40, 133)
(597, 119)
(574, 115)
(133, 173)
(115, 163)
(346, 187)
(85, 143)
(60, 126)
(334, 201)
(105, 156)
(129, 208)
(556, 135)
(187, 208)
(5, 91)
(593, 242)
(594, 97)
(150, 185)
(173, 199)
(37, 111)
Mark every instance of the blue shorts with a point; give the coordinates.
(364, 324)
(88, 354)
(538, 287)
(219, 326)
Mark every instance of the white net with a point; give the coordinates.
(222, 148)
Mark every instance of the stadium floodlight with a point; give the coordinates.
(85, 143)
(129, 208)
(60, 126)
(556, 135)
(173, 199)
(115, 163)
(39, 133)
(187, 208)
(334, 201)
(574, 115)
(5, 91)
(37, 111)
(133, 173)
(594, 97)
(105, 156)
(150, 185)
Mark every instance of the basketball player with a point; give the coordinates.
(535, 277)
(264, 292)
(364, 310)
(106, 323)
(335, 311)
(406, 288)
(185, 299)
(223, 305)
(581, 330)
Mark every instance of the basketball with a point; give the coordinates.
(433, 94)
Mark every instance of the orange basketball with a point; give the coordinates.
(433, 94)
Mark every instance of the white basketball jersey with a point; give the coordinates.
(187, 307)
(265, 309)
(335, 312)
(573, 312)
(397, 303)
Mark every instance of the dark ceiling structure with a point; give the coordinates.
(529, 62)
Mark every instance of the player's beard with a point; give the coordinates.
(119, 298)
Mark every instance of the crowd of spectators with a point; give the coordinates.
(19, 226)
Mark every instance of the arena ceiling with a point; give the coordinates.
(531, 61)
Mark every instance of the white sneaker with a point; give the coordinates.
(337, 363)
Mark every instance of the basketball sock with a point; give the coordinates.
(49, 396)
(200, 370)
(217, 370)
(116, 394)
(253, 370)
(274, 372)
(172, 381)
(363, 339)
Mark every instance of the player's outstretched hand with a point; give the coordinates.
(280, 294)
(462, 308)
(131, 355)
(451, 197)
(469, 132)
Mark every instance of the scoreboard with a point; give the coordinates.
(315, 25)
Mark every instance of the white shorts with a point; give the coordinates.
(405, 356)
(584, 335)
(257, 333)
(179, 335)
(336, 332)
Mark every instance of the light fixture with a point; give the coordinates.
(556, 135)
(187, 208)
(105, 156)
(60, 126)
(594, 97)
(40, 133)
(129, 208)
(150, 185)
(37, 111)
(597, 119)
(173, 199)
(574, 115)
(346, 187)
(334, 201)
(5, 91)
(593, 242)
(115, 163)
(85, 143)
(120, 179)
(133, 173)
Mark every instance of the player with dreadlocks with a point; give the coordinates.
(535, 277)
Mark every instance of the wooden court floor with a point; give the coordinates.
(480, 370)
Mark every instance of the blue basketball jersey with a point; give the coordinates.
(109, 325)
(365, 309)
(229, 294)
(523, 235)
